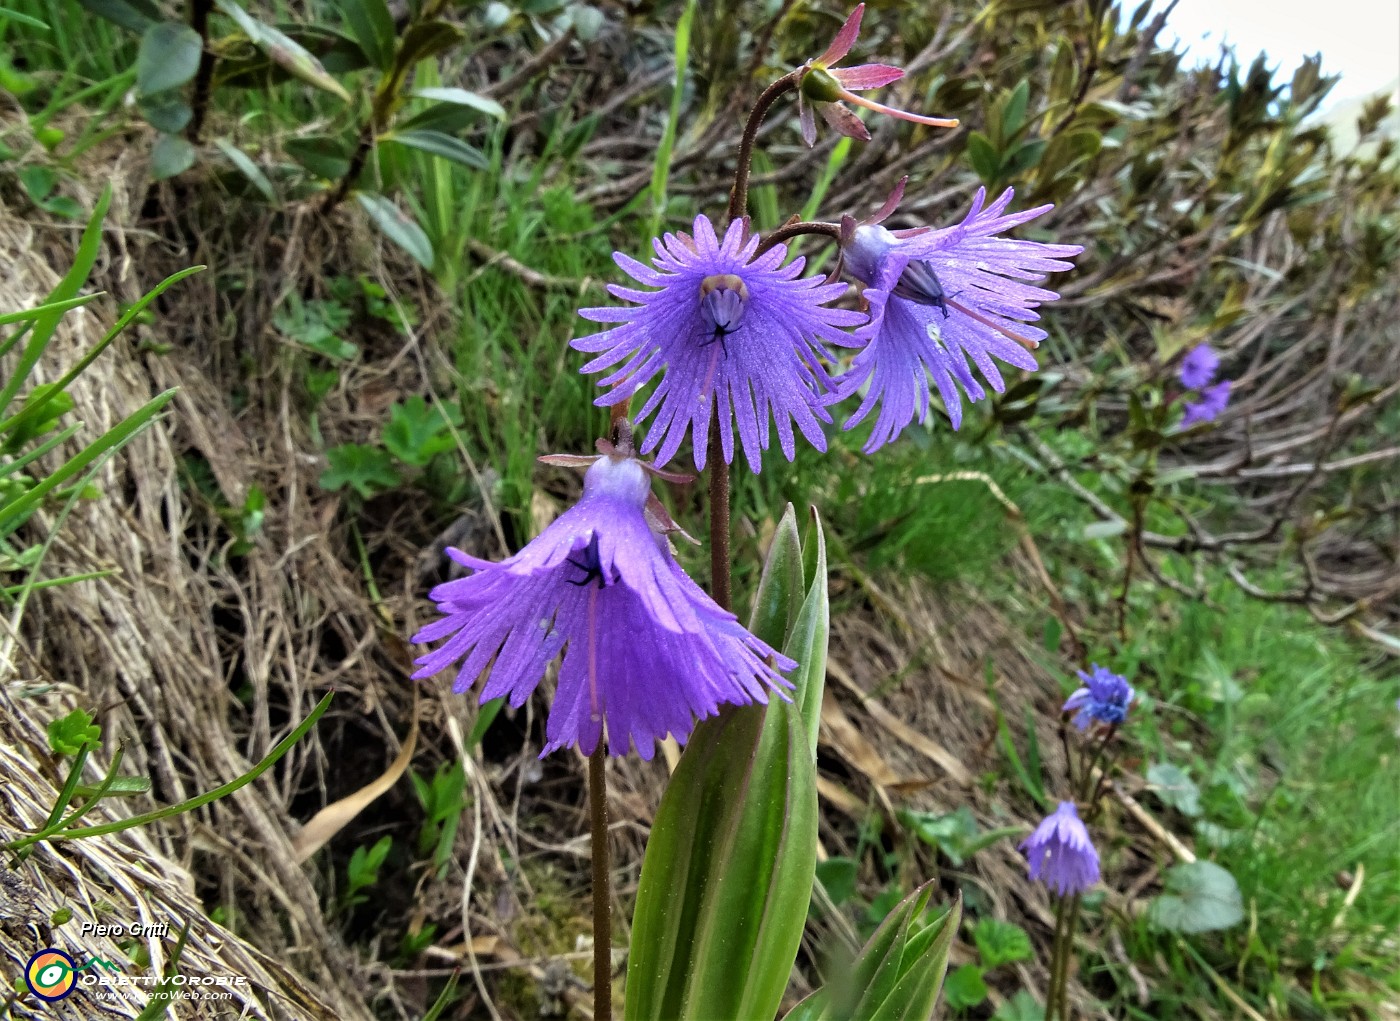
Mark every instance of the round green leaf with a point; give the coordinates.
(169, 57)
(171, 155)
(1200, 896)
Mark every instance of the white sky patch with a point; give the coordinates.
(1359, 39)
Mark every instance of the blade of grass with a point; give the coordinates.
(189, 805)
(661, 170)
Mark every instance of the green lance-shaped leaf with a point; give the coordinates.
(780, 588)
(439, 144)
(399, 227)
(284, 51)
(372, 25)
(728, 872)
(808, 637)
(897, 975)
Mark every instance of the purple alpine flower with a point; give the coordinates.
(645, 651)
(824, 87)
(1060, 853)
(1208, 408)
(725, 325)
(1104, 698)
(938, 298)
(1199, 366)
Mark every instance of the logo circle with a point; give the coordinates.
(50, 974)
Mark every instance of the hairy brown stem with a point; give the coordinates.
(602, 891)
(788, 231)
(739, 197)
(719, 515)
(204, 76)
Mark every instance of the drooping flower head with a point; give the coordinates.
(1060, 853)
(1208, 408)
(1199, 366)
(725, 325)
(824, 87)
(645, 651)
(939, 298)
(1104, 698)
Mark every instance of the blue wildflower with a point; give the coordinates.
(1208, 408)
(938, 300)
(645, 652)
(1060, 853)
(1199, 367)
(1104, 698)
(727, 327)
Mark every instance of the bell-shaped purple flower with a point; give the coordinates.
(1104, 698)
(1208, 408)
(724, 325)
(939, 299)
(1060, 853)
(645, 651)
(1199, 367)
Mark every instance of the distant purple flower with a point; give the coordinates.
(938, 298)
(824, 87)
(1060, 853)
(645, 650)
(1208, 408)
(1199, 366)
(724, 325)
(1104, 698)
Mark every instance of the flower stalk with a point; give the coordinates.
(602, 884)
(739, 196)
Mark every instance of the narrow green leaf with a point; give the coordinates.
(168, 57)
(661, 166)
(6, 14)
(323, 155)
(120, 787)
(810, 1008)
(30, 314)
(372, 25)
(171, 155)
(132, 15)
(983, 156)
(906, 985)
(810, 633)
(727, 877)
(461, 97)
(439, 144)
(70, 786)
(284, 51)
(44, 325)
(398, 227)
(13, 513)
(247, 168)
(1013, 116)
(780, 591)
(35, 405)
(425, 39)
(199, 801)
